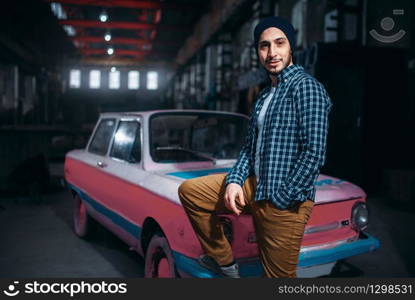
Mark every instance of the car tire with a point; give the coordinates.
(159, 262)
(83, 224)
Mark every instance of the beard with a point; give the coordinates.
(285, 63)
(275, 73)
(270, 73)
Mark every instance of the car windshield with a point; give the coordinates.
(187, 136)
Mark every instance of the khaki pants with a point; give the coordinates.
(279, 232)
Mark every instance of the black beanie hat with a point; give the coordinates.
(279, 23)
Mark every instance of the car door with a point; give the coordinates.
(125, 166)
(92, 173)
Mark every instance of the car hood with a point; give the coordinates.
(328, 188)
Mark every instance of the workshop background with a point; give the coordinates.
(63, 62)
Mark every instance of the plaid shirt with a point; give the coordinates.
(293, 145)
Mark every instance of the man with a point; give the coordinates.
(273, 178)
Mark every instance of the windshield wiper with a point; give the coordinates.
(196, 153)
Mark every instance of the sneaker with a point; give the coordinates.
(209, 263)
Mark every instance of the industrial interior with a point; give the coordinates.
(65, 62)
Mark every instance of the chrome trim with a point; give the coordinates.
(329, 245)
(325, 227)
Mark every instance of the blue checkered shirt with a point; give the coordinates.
(293, 143)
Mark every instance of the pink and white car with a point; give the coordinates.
(128, 175)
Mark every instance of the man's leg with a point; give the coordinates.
(279, 235)
(203, 199)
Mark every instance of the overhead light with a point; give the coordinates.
(147, 47)
(113, 69)
(107, 37)
(110, 51)
(58, 11)
(70, 30)
(103, 16)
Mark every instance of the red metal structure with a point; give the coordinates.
(138, 28)
(113, 3)
(117, 25)
(120, 52)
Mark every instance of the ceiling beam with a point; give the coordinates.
(123, 25)
(108, 25)
(123, 41)
(113, 61)
(117, 52)
(120, 62)
(113, 3)
(115, 40)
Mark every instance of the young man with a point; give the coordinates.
(273, 178)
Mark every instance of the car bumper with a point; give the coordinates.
(312, 263)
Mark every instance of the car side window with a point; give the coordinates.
(102, 137)
(127, 142)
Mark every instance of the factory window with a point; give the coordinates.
(133, 80)
(152, 80)
(114, 80)
(75, 79)
(95, 79)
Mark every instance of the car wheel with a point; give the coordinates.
(82, 222)
(159, 262)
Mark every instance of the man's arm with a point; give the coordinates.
(313, 108)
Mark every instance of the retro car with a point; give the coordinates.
(128, 175)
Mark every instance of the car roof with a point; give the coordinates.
(151, 112)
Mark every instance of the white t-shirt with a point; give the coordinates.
(260, 125)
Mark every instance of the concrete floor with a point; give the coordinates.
(38, 241)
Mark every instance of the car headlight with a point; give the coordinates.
(360, 216)
(227, 229)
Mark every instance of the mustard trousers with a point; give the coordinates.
(278, 232)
